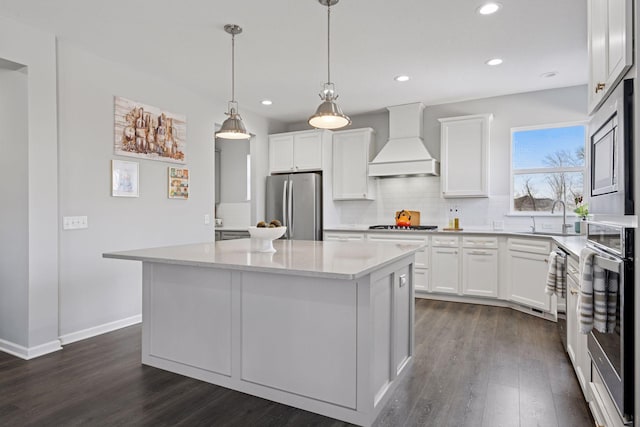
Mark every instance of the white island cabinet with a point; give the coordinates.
(322, 326)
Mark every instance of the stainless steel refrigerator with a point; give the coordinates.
(296, 200)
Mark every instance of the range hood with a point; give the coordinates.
(405, 153)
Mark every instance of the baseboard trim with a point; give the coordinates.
(100, 329)
(488, 301)
(27, 353)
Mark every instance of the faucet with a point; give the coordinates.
(565, 226)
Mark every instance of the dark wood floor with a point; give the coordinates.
(474, 366)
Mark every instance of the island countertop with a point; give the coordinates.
(337, 260)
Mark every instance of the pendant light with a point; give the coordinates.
(329, 115)
(233, 128)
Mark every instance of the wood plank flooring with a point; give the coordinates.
(474, 366)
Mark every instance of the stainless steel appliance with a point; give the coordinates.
(296, 200)
(612, 353)
(611, 154)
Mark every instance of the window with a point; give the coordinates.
(547, 164)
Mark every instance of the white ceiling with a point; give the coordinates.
(281, 55)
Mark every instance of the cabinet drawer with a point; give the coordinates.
(480, 242)
(422, 256)
(343, 237)
(445, 241)
(533, 246)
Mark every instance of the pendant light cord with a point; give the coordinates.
(329, 42)
(233, 67)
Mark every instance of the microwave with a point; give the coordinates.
(610, 154)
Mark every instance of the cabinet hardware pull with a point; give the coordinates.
(479, 253)
(599, 87)
(573, 291)
(546, 260)
(403, 280)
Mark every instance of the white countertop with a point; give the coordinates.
(573, 244)
(337, 260)
(365, 228)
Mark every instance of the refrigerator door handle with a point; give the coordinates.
(291, 209)
(284, 205)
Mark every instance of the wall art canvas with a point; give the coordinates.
(148, 132)
(178, 183)
(124, 178)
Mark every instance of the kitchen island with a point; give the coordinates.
(322, 326)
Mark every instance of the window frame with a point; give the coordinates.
(583, 169)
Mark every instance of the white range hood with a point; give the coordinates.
(405, 153)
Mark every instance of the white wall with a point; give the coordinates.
(423, 193)
(36, 50)
(96, 291)
(14, 209)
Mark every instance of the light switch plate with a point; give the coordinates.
(74, 222)
(498, 225)
(207, 219)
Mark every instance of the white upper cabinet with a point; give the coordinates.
(352, 151)
(464, 150)
(610, 46)
(296, 151)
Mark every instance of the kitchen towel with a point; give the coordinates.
(556, 282)
(598, 295)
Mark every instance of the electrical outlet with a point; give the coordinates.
(207, 219)
(498, 225)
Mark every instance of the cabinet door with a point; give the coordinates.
(403, 302)
(619, 39)
(307, 151)
(351, 152)
(597, 11)
(444, 269)
(421, 283)
(572, 324)
(280, 153)
(480, 272)
(527, 279)
(610, 35)
(465, 156)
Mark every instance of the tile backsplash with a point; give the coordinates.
(423, 194)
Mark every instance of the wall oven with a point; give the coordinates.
(610, 153)
(612, 354)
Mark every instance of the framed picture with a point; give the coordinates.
(145, 131)
(124, 178)
(178, 183)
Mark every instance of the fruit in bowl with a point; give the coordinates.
(264, 236)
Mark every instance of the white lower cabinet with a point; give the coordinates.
(445, 264)
(480, 272)
(576, 341)
(480, 266)
(528, 266)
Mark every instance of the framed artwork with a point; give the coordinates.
(124, 178)
(178, 183)
(141, 130)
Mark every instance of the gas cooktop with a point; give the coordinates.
(397, 227)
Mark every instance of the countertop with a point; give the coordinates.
(573, 243)
(336, 260)
(226, 228)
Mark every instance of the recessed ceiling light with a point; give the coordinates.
(489, 8)
(549, 74)
(401, 78)
(266, 102)
(494, 61)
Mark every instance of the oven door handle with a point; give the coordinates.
(609, 264)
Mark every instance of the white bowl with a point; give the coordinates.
(264, 237)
